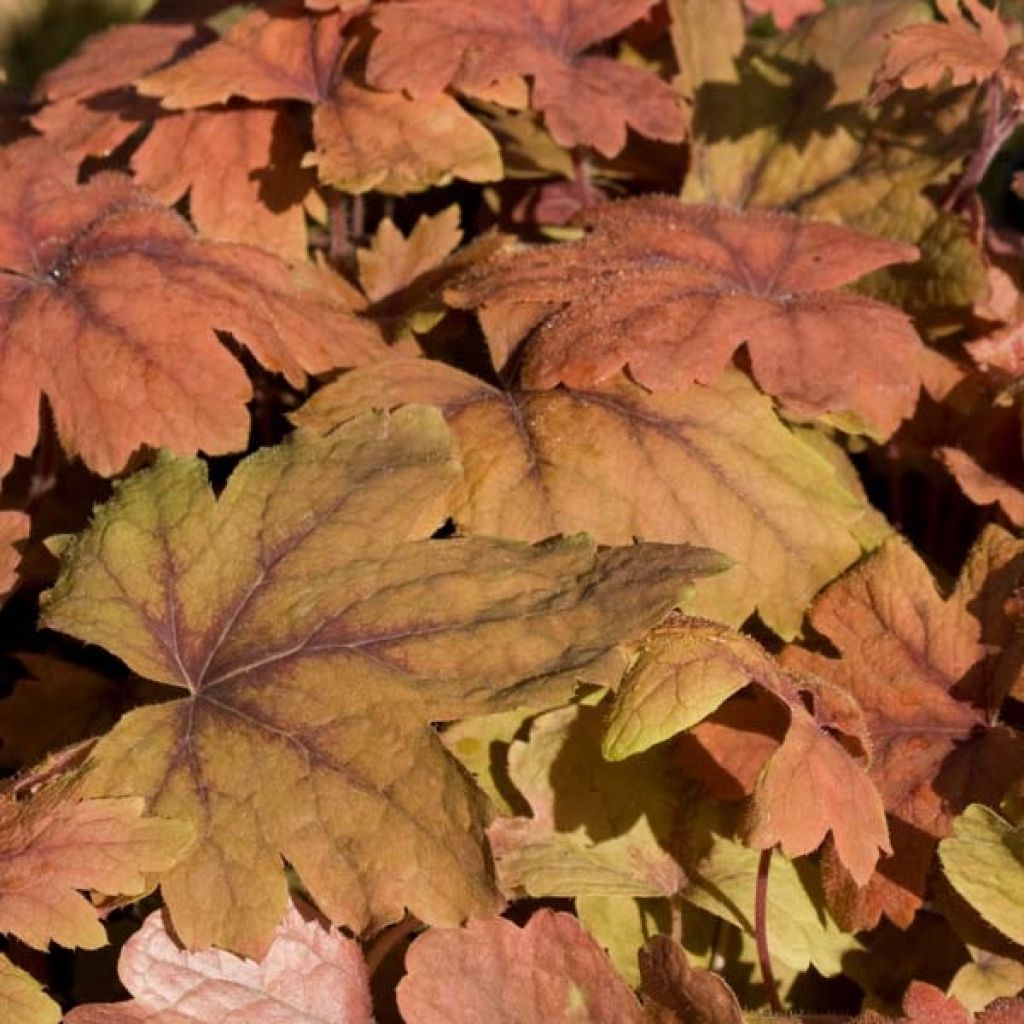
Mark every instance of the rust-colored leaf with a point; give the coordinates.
(240, 169)
(125, 366)
(13, 529)
(363, 139)
(424, 46)
(971, 47)
(548, 972)
(308, 976)
(682, 287)
(318, 631)
(705, 465)
(114, 851)
(926, 672)
(675, 992)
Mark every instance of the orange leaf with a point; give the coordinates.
(924, 673)
(966, 49)
(125, 366)
(548, 972)
(308, 976)
(113, 848)
(672, 290)
(424, 46)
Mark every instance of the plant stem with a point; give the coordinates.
(761, 929)
(999, 126)
(387, 940)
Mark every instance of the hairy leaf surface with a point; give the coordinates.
(682, 287)
(318, 632)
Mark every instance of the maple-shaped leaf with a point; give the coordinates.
(424, 46)
(22, 999)
(108, 307)
(807, 788)
(928, 676)
(596, 828)
(984, 859)
(13, 529)
(309, 975)
(362, 138)
(548, 972)
(785, 13)
(114, 851)
(671, 290)
(318, 631)
(714, 466)
(972, 47)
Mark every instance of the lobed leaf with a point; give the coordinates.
(318, 631)
(682, 287)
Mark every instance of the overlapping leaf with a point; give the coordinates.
(122, 367)
(714, 465)
(548, 972)
(930, 675)
(362, 138)
(308, 976)
(114, 852)
(808, 788)
(682, 287)
(22, 999)
(424, 46)
(318, 631)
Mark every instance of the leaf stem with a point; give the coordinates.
(386, 941)
(761, 929)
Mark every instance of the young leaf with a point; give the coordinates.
(672, 290)
(308, 976)
(971, 48)
(924, 671)
(424, 46)
(984, 859)
(714, 466)
(318, 631)
(22, 999)
(807, 788)
(363, 139)
(114, 852)
(13, 529)
(122, 367)
(548, 972)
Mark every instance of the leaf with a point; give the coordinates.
(715, 466)
(363, 139)
(971, 49)
(785, 13)
(22, 999)
(548, 972)
(984, 859)
(124, 368)
(114, 852)
(691, 284)
(308, 976)
(13, 529)
(622, 924)
(917, 666)
(982, 486)
(240, 168)
(596, 828)
(423, 47)
(318, 632)
(807, 788)
(91, 108)
(685, 993)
